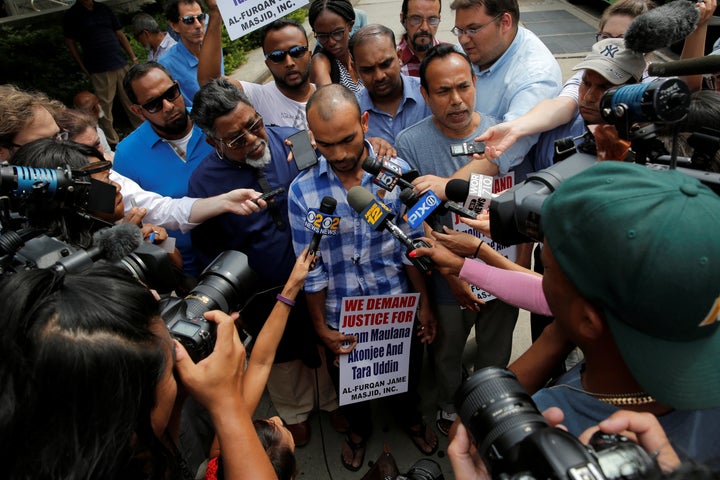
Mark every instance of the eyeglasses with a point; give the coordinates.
(603, 36)
(241, 140)
(336, 35)
(156, 104)
(472, 31)
(60, 136)
(417, 20)
(190, 19)
(278, 56)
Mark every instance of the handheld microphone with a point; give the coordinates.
(327, 207)
(388, 174)
(692, 66)
(476, 194)
(662, 26)
(111, 244)
(378, 215)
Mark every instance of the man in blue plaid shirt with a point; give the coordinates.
(358, 260)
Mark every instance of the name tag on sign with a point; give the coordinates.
(322, 223)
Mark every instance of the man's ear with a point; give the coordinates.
(591, 320)
(424, 93)
(211, 141)
(138, 110)
(364, 121)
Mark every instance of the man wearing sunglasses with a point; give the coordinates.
(251, 154)
(161, 153)
(186, 17)
(421, 19)
(285, 45)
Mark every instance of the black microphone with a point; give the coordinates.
(692, 66)
(662, 26)
(327, 207)
(111, 244)
(386, 176)
(457, 190)
(378, 215)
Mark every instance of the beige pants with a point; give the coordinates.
(292, 388)
(106, 86)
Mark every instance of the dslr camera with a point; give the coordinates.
(225, 284)
(515, 440)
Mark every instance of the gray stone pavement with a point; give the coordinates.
(320, 459)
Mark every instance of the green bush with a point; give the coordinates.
(37, 58)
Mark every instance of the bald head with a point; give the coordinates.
(87, 102)
(329, 99)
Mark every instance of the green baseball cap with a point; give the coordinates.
(644, 246)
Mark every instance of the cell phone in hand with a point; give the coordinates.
(302, 149)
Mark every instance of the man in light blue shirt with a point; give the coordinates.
(393, 101)
(514, 69)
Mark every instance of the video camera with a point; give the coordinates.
(515, 214)
(516, 442)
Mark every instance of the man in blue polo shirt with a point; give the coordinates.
(161, 153)
(186, 17)
(393, 100)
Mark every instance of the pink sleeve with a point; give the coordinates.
(516, 288)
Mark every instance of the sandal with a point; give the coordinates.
(355, 448)
(419, 437)
(444, 421)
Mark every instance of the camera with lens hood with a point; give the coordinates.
(515, 441)
(226, 284)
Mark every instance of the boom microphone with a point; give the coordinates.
(327, 207)
(111, 244)
(662, 26)
(692, 66)
(378, 215)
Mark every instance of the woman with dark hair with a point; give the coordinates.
(62, 219)
(331, 22)
(87, 385)
(70, 222)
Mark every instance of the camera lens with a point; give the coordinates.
(424, 469)
(497, 411)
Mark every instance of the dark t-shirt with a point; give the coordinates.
(95, 31)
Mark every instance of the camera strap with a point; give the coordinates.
(272, 206)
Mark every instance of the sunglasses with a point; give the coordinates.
(278, 56)
(241, 140)
(156, 104)
(190, 19)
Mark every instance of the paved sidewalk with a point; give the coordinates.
(320, 459)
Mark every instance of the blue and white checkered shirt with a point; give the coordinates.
(358, 260)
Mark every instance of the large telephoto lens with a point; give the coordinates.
(498, 413)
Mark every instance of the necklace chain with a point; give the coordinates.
(618, 399)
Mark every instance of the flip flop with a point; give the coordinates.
(355, 448)
(418, 437)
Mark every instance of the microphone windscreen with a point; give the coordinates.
(328, 205)
(457, 190)
(359, 198)
(118, 241)
(662, 26)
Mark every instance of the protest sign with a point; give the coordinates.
(243, 16)
(378, 365)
